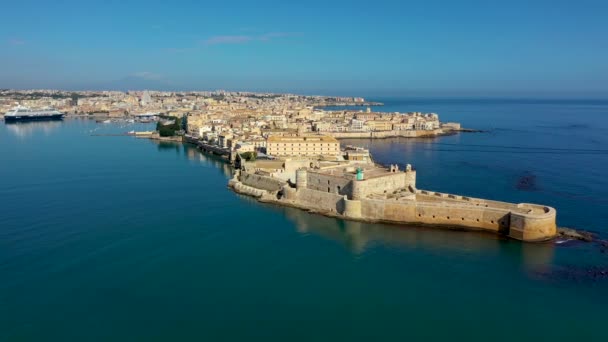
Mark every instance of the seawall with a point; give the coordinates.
(525, 222)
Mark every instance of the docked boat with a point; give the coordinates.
(21, 113)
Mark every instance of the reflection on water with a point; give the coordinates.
(218, 162)
(27, 129)
(167, 145)
(360, 237)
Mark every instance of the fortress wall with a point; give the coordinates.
(321, 182)
(247, 190)
(537, 225)
(528, 222)
(318, 200)
(427, 195)
(436, 213)
(289, 193)
(410, 178)
(384, 184)
(352, 208)
(493, 219)
(261, 182)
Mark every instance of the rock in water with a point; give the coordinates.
(527, 182)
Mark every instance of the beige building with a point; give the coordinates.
(380, 125)
(302, 146)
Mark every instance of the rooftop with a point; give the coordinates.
(311, 138)
(350, 170)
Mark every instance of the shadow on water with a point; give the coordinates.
(361, 237)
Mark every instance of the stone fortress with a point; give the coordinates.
(362, 190)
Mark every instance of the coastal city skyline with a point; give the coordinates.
(519, 49)
(304, 171)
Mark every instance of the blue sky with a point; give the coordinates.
(418, 48)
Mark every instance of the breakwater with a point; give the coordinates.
(393, 198)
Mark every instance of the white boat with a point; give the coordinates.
(21, 113)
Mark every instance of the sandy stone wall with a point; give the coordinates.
(318, 200)
(436, 213)
(328, 183)
(261, 182)
(527, 227)
(385, 184)
(533, 226)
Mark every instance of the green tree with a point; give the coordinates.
(249, 156)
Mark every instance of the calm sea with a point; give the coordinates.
(116, 238)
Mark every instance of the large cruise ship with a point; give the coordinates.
(21, 113)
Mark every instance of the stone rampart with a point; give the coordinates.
(438, 213)
(526, 222)
(536, 224)
(247, 190)
(328, 183)
(385, 184)
(261, 182)
(321, 201)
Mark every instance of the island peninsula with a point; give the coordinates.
(285, 150)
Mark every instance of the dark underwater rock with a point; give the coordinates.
(527, 182)
(575, 273)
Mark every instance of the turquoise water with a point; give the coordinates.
(117, 238)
